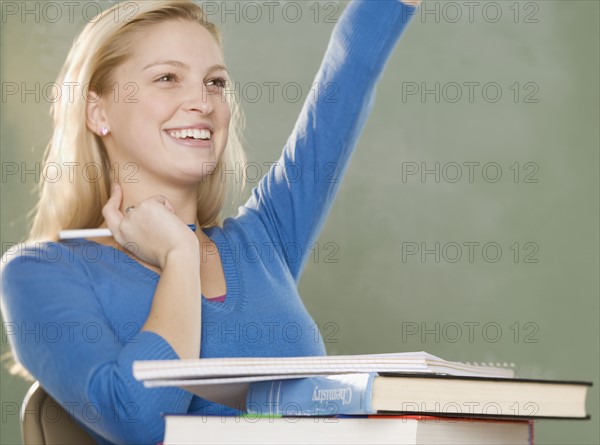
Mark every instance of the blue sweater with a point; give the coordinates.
(74, 309)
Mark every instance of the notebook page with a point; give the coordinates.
(248, 366)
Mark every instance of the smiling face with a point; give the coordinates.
(168, 113)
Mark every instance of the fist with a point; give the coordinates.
(151, 230)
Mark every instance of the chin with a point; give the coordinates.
(197, 176)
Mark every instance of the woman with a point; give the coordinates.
(156, 115)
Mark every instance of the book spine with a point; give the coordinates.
(312, 396)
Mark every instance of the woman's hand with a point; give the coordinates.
(411, 2)
(151, 231)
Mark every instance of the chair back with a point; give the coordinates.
(45, 422)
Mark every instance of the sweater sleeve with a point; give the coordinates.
(293, 198)
(58, 331)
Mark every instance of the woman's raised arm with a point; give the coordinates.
(296, 194)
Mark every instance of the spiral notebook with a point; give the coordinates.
(210, 368)
(226, 380)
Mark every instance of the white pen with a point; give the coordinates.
(83, 233)
(90, 233)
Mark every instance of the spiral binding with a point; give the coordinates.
(490, 364)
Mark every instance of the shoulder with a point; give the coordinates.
(42, 260)
(249, 228)
(39, 252)
(40, 279)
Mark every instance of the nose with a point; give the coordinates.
(198, 98)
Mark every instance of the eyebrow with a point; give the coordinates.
(179, 64)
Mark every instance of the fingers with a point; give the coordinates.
(111, 212)
(163, 200)
(169, 206)
(113, 215)
(411, 2)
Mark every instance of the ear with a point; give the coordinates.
(96, 117)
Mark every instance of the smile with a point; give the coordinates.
(190, 133)
(191, 137)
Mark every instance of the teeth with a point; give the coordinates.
(192, 133)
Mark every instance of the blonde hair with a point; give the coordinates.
(105, 42)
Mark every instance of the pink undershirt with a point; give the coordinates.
(220, 299)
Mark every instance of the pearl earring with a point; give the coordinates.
(104, 131)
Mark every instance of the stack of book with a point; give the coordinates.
(403, 398)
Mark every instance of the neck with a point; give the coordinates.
(183, 200)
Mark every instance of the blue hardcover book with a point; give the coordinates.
(348, 394)
(418, 394)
